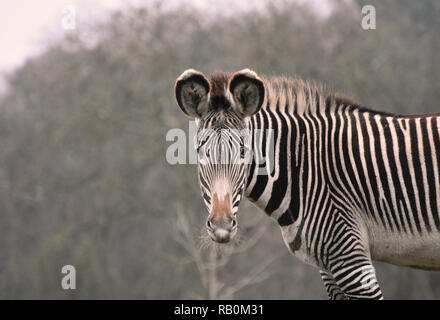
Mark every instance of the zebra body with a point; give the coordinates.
(346, 184)
(400, 226)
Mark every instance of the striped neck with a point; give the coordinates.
(292, 130)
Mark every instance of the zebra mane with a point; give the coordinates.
(307, 96)
(295, 95)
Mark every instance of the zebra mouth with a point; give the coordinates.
(221, 235)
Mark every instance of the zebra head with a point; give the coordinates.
(221, 108)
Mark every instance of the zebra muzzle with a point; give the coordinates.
(221, 223)
(221, 230)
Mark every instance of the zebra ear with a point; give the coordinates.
(248, 92)
(191, 92)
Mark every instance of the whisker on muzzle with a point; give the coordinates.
(206, 242)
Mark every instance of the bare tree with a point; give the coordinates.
(211, 258)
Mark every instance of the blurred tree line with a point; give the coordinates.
(83, 175)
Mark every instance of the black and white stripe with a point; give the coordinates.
(344, 175)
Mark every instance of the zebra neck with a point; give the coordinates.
(275, 182)
(273, 177)
(287, 177)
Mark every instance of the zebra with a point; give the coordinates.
(347, 185)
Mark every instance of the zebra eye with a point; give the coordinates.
(242, 150)
(201, 144)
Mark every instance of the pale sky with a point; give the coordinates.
(25, 23)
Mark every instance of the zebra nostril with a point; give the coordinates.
(209, 224)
